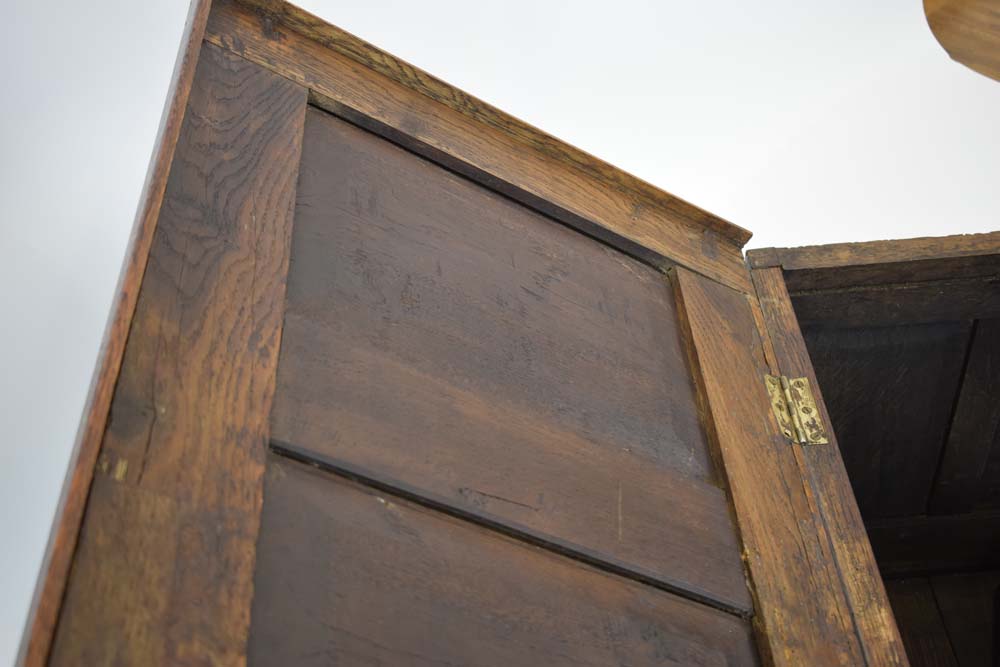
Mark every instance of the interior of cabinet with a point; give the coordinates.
(907, 354)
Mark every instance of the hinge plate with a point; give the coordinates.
(795, 410)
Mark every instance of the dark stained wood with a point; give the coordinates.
(974, 427)
(353, 79)
(823, 469)
(967, 604)
(969, 30)
(163, 571)
(919, 545)
(890, 394)
(441, 337)
(54, 571)
(920, 622)
(989, 484)
(349, 575)
(802, 615)
(900, 303)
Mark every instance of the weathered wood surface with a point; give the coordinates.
(920, 545)
(890, 394)
(347, 574)
(878, 258)
(163, 571)
(56, 562)
(964, 478)
(823, 469)
(802, 614)
(371, 88)
(920, 623)
(445, 339)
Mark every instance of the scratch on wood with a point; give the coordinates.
(619, 511)
(121, 468)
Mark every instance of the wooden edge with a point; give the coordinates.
(876, 252)
(531, 137)
(801, 615)
(969, 31)
(49, 591)
(824, 472)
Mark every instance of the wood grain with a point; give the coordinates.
(349, 575)
(920, 623)
(974, 426)
(802, 615)
(441, 337)
(54, 571)
(164, 567)
(876, 256)
(373, 89)
(969, 30)
(824, 471)
(890, 394)
(922, 545)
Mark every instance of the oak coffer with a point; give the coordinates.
(394, 378)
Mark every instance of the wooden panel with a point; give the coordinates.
(912, 545)
(802, 615)
(920, 623)
(824, 471)
(347, 575)
(373, 89)
(54, 571)
(969, 30)
(163, 570)
(441, 337)
(890, 394)
(974, 428)
(900, 304)
(968, 607)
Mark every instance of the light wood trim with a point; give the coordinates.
(371, 88)
(802, 616)
(969, 30)
(824, 473)
(868, 253)
(59, 552)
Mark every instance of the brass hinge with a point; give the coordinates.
(795, 409)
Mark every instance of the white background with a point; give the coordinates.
(805, 122)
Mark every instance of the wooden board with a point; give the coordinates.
(968, 606)
(921, 545)
(372, 88)
(350, 575)
(824, 471)
(925, 258)
(444, 339)
(969, 30)
(920, 623)
(802, 613)
(890, 394)
(163, 572)
(975, 427)
(54, 571)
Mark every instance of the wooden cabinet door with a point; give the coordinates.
(396, 379)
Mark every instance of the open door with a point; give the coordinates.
(905, 340)
(398, 379)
